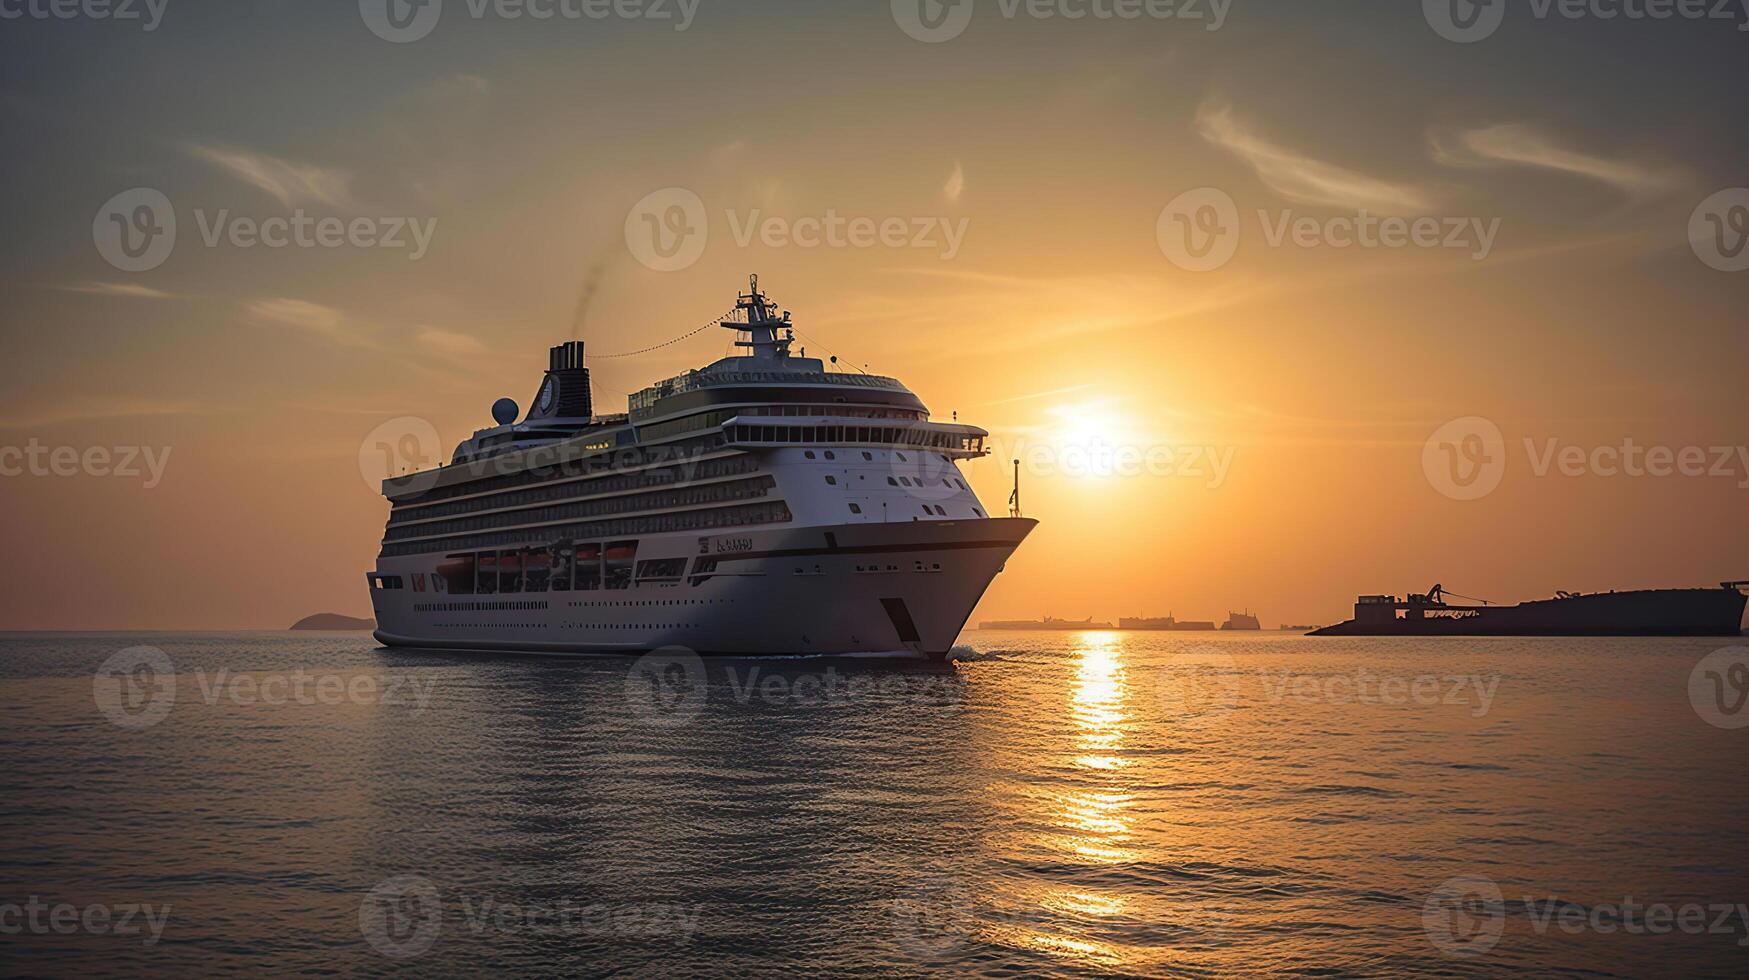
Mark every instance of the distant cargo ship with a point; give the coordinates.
(1241, 621)
(1156, 623)
(1047, 623)
(1646, 612)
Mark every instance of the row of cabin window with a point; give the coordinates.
(561, 567)
(775, 512)
(658, 500)
(606, 462)
(706, 470)
(934, 510)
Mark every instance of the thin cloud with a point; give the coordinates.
(449, 343)
(956, 183)
(102, 410)
(324, 321)
(1525, 145)
(1040, 394)
(292, 183)
(1301, 178)
(129, 289)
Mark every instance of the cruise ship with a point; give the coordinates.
(761, 505)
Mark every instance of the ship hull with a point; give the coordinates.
(903, 589)
(1651, 612)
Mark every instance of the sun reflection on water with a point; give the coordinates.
(1093, 817)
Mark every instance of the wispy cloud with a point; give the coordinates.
(100, 410)
(130, 289)
(324, 321)
(1041, 394)
(989, 312)
(956, 183)
(449, 343)
(1525, 145)
(1301, 178)
(292, 183)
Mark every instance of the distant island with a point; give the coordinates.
(333, 621)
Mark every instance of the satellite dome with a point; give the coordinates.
(504, 411)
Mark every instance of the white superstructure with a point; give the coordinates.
(760, 505)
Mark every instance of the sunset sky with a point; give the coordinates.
(1063, 321)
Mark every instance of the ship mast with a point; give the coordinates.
(768, 334)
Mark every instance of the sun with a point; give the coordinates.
(1090, 439)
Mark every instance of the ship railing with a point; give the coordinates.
(954, 439)
(695, 380)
